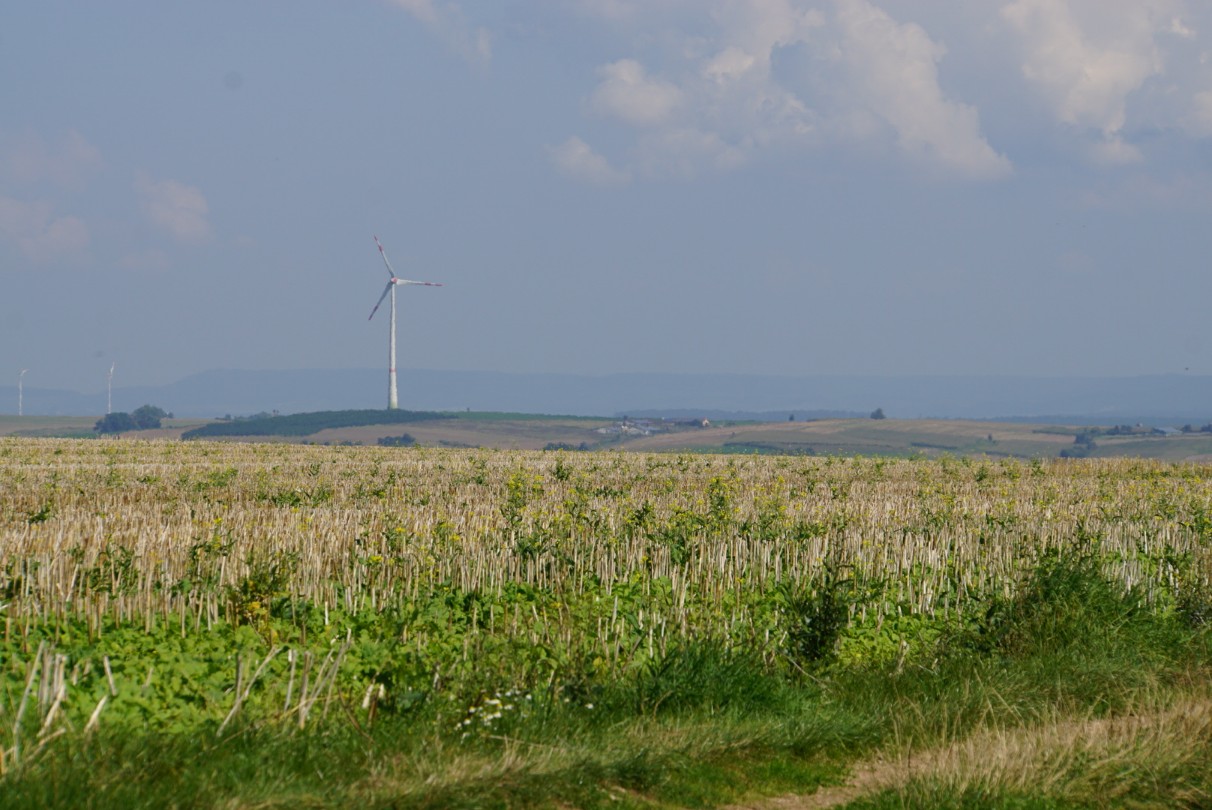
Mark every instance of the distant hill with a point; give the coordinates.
(743, 416)
(306, 424)
(1158, 399)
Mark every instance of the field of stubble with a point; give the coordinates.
(406, 627)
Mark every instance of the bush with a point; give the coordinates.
(816, 619)
(566, 446)
(117, 422)
(1068, 607)
(147, 417)
(702, 676)
(403, 440)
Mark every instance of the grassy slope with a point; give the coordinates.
(875, 437)
(1168, 448)
(516, 433)
(925, 437)
(82, 426)
(45, 425)
(893, 437)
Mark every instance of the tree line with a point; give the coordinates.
(145, 417)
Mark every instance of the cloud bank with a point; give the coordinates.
(721, 101)
(716, 84)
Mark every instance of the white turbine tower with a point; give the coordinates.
(392, 283)
(109, 390)
(21, 393)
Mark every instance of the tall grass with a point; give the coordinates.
(991, 722)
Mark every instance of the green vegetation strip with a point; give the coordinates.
(1068, 695)
(305, 424)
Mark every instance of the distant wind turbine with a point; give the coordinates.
(21, 393)
(393, 282)
(109, 390)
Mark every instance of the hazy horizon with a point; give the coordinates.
(1164, 398)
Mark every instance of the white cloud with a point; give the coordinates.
(1112, 71)
(718, 101)
(1088, 56)
(449, 23)
(1179, 28)
(39, 234)
(894, 70)
(577, 160)
(773, 76)
(729, 65)
(32, 159)
(180, 209)
(628, 93)
(757, 27)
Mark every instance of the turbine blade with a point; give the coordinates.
(419, 283)
(391, 273)
(386, 290)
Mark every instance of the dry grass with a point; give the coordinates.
(505, 434)
(100, 528)
(1155, 756)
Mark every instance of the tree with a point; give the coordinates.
(878, 413)
(403, 440)
(147, 417)
(117, 422)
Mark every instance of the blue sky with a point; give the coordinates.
(779, 187)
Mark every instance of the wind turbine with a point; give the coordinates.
(109, 390)
(21, 393)
(393, 282)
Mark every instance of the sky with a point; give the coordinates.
(784, 187)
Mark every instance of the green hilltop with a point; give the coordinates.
(305, 424)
